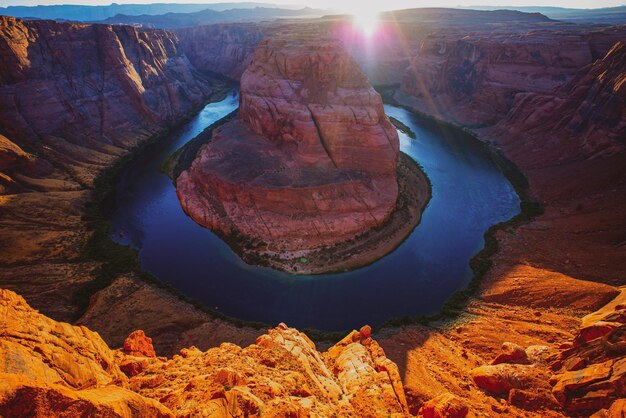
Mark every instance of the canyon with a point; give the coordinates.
(548, 97)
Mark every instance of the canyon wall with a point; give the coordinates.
(472, 80)
(554, 103)
(224, 49)
(73, 99)
(76, 96)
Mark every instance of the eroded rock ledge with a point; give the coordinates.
(310, 162)
(48, 368)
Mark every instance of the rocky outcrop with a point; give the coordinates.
(311, 159)
(54, 369)
(139, 344)
(34, 345)
(280, 375)
(50, 368)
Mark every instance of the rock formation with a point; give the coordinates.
(55, 369)
(310, 161)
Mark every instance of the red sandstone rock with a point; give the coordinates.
(444, 406)
(310, 162)
(365, 332)
(501, 378)
(616, 410)
(225, 49)
(138, 344)
(132, 367)
(512, 354)
(593, 373)
(532, 401)
(597, 330)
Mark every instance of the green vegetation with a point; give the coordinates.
(115, 260)
(182, 158)
(402, 127)
(481, 263)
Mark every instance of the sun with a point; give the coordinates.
(366, 20)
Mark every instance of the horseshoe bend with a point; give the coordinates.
(404, 213)
(309, 167)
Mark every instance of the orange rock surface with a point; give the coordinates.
(50, 368)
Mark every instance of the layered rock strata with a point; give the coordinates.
(77, 95)
(311, 160)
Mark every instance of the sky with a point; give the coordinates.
(355, 5)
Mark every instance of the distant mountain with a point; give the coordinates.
(464, 16)
(611, 15)
(206, 17)
(93, 13)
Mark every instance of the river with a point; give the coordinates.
(469, 195)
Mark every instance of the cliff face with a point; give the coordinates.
(55, 369)
(78, 95)
(310, 161)
(73, 98)
(225, 49)
(473, 79)
(588, 113)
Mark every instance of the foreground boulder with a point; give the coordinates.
(310, 161)
(139, 344)
(512, 354)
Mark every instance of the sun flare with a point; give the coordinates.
(366, 20)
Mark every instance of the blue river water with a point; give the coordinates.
(469, 195)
